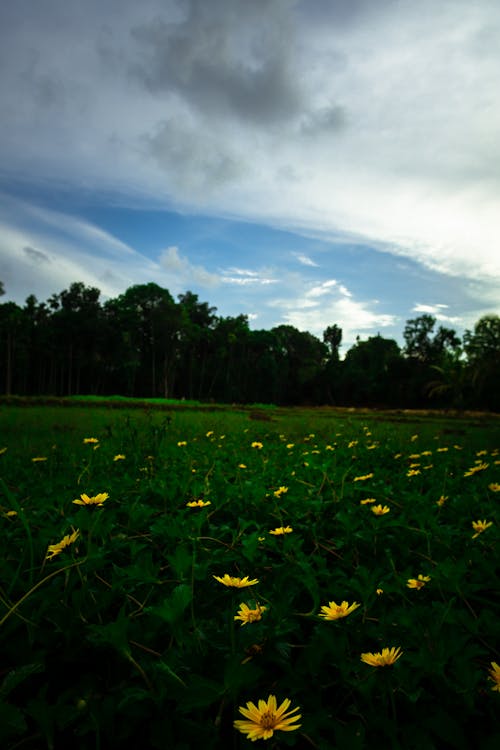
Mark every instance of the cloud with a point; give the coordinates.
(244, 277)
(36, 255)
(376, 121)
(44, 251)
(436, 312)
(305, 260)
(180, 272)
(224, 59)
(314, 307)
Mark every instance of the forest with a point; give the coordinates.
(144, 343)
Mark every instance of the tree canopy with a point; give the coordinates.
(144, 343)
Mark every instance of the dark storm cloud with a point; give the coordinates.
(226, 57)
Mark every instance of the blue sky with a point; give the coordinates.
(298, 161)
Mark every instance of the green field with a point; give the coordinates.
(114, 630)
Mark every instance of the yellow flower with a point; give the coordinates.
(495, 676)
(481, 453)
(56, 549)
(90, 440)
(237, 583)
(442, 500)
(329, 448)
(494, 487)
(418, 583)
(412, 472)
(37, 459)
(2, 450)
(480, 526)
(209, 433)
(474, 469)
(198, 503)
(380, 510)
(96, 500)
(336, 611)
(442, 450)
(119, 457)
(242, 466)
(367, 500)
(280, 491)
(261, 722)
(280, 530)
(413, 438)
(379, 591)
(181, 443)
(247, 614)
(352, 444)
(290, 446)
(383, 658)
(363, 477)
(256, 444)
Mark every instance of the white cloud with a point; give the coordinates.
(313, 308)
(436, 312)
(181, 273)
(365, 120)
(245, 277)
(305, 260)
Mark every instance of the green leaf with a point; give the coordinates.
(172, 609)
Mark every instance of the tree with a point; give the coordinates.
(198, 322)
(11, 323)
(482, 348)
(332, 337)
(368, 369)
(301, 359)
(422, 345)
(76, 318)
(152, 323)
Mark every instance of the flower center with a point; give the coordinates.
(267, 720)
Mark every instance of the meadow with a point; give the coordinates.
(164, 567)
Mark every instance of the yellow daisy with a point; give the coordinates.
(336, 611)
(198, 503)
(383, 658)
(363, 478)
(249, 614)
(56, 549)
(95, 500)
(480, 526)
(494, 676)
(380, 510)
(234, 582)
(418, 583)
(280, 530)
(261, 722)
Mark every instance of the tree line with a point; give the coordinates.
(143, 343)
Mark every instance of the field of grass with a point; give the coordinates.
(125, 618)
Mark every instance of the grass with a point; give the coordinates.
(125, 636)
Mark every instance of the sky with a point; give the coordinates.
(302, 162)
